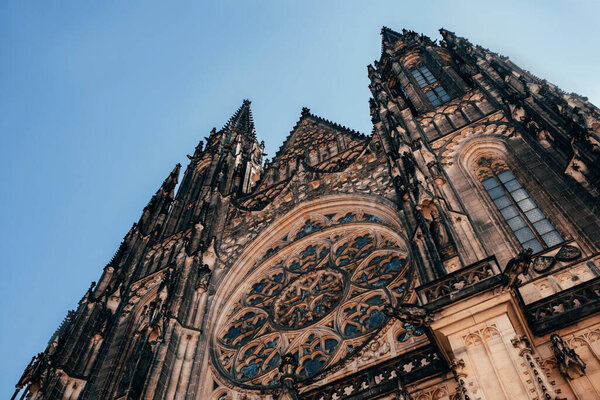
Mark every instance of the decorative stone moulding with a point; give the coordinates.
(318, 292)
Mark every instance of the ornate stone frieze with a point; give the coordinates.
(460, 284)
(564, 307)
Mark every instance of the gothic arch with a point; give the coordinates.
(500, 150)
(347, 254)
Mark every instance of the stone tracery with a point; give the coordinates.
(318, 294)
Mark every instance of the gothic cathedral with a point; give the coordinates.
(453, 253)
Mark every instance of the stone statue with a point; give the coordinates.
(566, 358)
(287, 371)
(203, 278)
(441, 238)
(438, 231)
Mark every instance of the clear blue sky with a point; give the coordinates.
(100, 99)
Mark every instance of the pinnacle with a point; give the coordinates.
(171, 181)
(242, 121)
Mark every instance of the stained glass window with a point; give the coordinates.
(423, 76)
(521, 213)
(317, 298)
(436, 95)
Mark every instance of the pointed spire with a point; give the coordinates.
(156, 210)
(169, 184)
(242, 121)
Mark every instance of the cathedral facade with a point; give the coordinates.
(453, 253)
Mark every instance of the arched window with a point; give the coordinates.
(317, 292)
(435, 93)
(523, 216)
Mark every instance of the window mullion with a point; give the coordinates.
(521, 213)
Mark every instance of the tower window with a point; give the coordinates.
(523, 216)
(423, 76)
(437, 96)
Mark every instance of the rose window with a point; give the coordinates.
(319, 297)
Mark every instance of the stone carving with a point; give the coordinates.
(543, 263)
(441, 238)
(375, 349)
(452, 285)
(547, 314)
(543, 387)
(568, 253)
(203, 277)
(458, 367)
(567, 359)
(308, 299)
(384, 377)
(287, 371)
(321, 296)
(412, 314)
(517, 266)
(35, 374)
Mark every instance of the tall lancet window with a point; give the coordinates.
(523, 216)
(434, 92)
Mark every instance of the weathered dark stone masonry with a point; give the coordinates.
(453, 253)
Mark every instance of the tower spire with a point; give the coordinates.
(242, 121)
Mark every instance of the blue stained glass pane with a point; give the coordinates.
(428, 75)
(442, 93)
(313, 366)
(509, 212)
(543, 226)
(489, 183)
(495, 192)
(375, 319)
(534, 215)
(419, 77)
(519, 194)
(513, 185)
(533, 245)
(506, 176)
(330, 344)
(250, 370)
(516, 223)
(524, 234)
(552, 238)
(403, 337)
(502, 202)
(350, 330)
(526, 205)
(275, 360)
